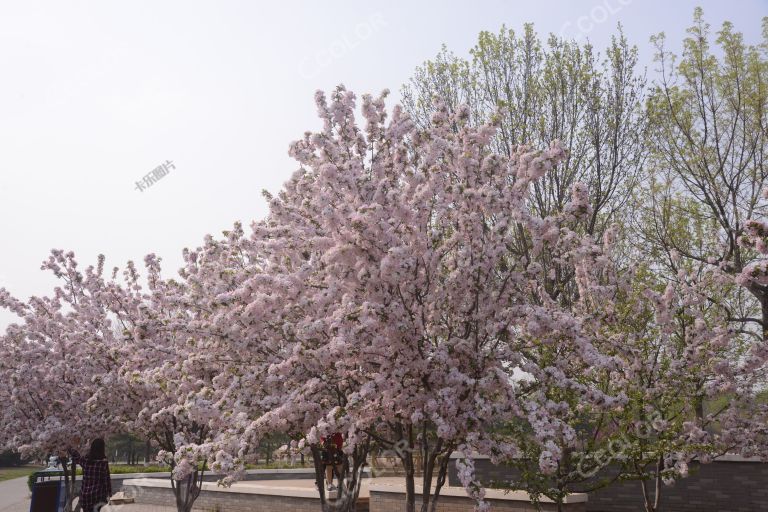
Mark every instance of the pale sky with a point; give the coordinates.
(94, 95)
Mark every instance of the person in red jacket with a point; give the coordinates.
(332, 458)
(96, 487)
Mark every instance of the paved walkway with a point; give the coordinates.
(14, 495)
(138, 508)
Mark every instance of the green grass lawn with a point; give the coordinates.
(279, 465)
(116, 469)
(9, 473)
(119, 469)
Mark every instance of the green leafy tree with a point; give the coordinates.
(708, 146)
(539, 92)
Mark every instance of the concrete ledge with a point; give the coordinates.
(287, 471)
(125, 476)
(732, 457)
(292, 489)
(248, 496)
(728, 457)
(283, 474)
(459, 492)
(167, 474)
(299, 489)
(385, 494)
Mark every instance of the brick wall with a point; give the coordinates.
(229, 502)
(233, 502)
(394, 502)
(715, 487)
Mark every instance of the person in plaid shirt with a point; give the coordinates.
(96, 487)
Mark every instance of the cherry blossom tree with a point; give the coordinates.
(107, 355)
(682, 375)
(402, 273)
(173, 357)
(51, 362)
(688, 382)
(157, 371)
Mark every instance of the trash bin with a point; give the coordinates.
(48, 492)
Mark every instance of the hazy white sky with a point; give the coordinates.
(94, 95)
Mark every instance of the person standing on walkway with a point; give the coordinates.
(96, 487)
(332, 459)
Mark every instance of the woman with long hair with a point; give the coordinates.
(96, 487)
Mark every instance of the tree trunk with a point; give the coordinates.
(406, 456)
(764, 314)
(70, 479)
(559, 496)
(351, 479)
(646, 498)
(653, 505)
(428, 468)
(410, 485)
(317, 460)
(657, 498)
(442, 473)
(186, 491)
